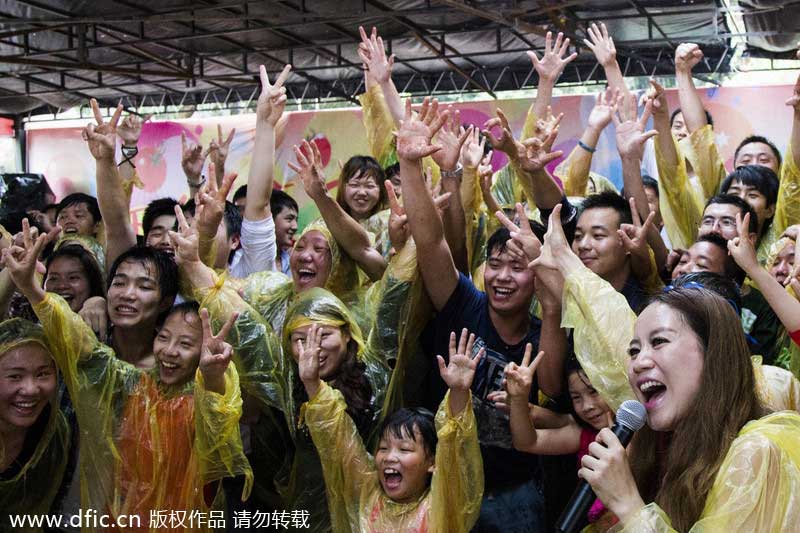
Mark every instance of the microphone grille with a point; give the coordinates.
(632, 415)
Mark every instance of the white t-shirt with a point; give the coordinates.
(257, 249)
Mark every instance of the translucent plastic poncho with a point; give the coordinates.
(33, 489)
(789, 355)
(787, 208)
(755, 488)
(453, 501)
(603, 325)
(145, 446)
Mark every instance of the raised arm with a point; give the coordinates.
(413, 143)
(218, 153)
(687, 55)
(129, 131)
(602, 46)
(549, 69)
(579, 161)
(209, 211)
(794, 139)
(379, 70)
(193, 158)
(111, 196)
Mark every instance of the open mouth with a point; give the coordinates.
(126, 310)
(70, 230)
(169, 366)
(306, 275)
(503, 293)
(25, 408)
(392, 479)
(653, 391)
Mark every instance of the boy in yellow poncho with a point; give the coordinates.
(413, 483)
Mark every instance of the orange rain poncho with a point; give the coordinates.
(145, 446)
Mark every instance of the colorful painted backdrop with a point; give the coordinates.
(62, 156)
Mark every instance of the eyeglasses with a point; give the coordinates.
(724, 222)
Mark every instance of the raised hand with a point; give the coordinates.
(460, 369)
(308, 359)
(794, 100)
(185, 241)
(218, 148)
(656, 95)
(21, 261)
(215, 355)
(309, 169)
(603, 110)
(546, 124)
(102, 137)
(519, 378)
(272, 100)
(553, 62)
(536, 154)
(555, 244)
(687, 55)
(417, 131)
(524, 244)
(741, 248)
(631, 135)
(399, 232)
(451, 138)
(472, 150)
(373, 56)
(212, 198)
(505, 142)
(601, 44)
(192, 159)
(130, 129)
(634, 236)
(94, 313)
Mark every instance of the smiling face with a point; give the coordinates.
(285, 227)
(666, 365)
(403, 466)
(720, 219)
(333, 349)
(158, 236)
(361, 194)
(678, 127)
(134, 297)
(587, 402)
(756, 199)
(27, 385)
(177, 347)
(310, 261)
(597, 244)
(76, 219)
(757, 153)
(781, 269)
(67, 278)
(701, 257)
(508, 283)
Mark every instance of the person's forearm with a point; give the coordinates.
(350, 236)
(665, 141)
(544, 97)
(458, 401)
(259, 179)
(579, 163)
(7, 289)
(214, 383)
(523, 432)
(455, 225)
(691, 106)
(547, 193)
(115, 210)
(393, 100)
(632, 181)
(615, 78)
(794, 140)
(553, 342)
(423, 219)
(198, 275)
(786, 307)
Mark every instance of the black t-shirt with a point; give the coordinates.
(469, 308)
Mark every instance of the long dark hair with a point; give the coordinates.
(88, 262)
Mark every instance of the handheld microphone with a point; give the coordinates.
(631, 416)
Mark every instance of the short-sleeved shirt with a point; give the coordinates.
(469, 308)
(762, 325)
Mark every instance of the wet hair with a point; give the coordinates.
(762, 178)
(611, 200)
(758, 139)
(88, 262)
(719, 284)
(189, 307)
(732, 270)
(744, 207)
(280, 200)
(241, 192)
(403, 422)
(80, 198)
(155, 209)
(367, 166)
(709, 119)
(165, 269)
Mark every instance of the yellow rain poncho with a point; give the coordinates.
(145, 446)
(87, 243)
(31, 488)
(452, 503)
(789, 355)
(755, 487)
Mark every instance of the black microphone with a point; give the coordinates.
(631, 416)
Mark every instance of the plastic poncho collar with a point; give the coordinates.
(33, 489)
(87, 243)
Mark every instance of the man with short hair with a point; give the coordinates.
(284, 212)
(78, 214)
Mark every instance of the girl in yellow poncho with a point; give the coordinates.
(413, 483)
(34, 434)
(150, 440)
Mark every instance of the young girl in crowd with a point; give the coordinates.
(590, 415)
(73, 274)
(151, 440)
(421, 478)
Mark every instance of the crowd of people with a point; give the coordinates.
(378, 370)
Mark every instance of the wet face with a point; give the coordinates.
(666, 366)
(587, 402)
(597, 244)
(158, 236)
(361, 193)
(310, 261)
(27, 385)
(721, 220)
(177, 348)
(508, 283)
(67, 278)
(701, 257)
(134, 297)
(781, 269)
(757, 154)
(285, 227)
(403, 466)
(333, 349)
(754, 198)
(678, 127)
(76, 219)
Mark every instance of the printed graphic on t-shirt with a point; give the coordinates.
(493, 424)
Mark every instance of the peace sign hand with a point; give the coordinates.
(218, 148)
(21, 260)
(215, 355)
(102, 137)
(524, 244)
(130, 129)
(272, 100)
(519, 378)
(741, 248)
(634, 236)
(185, 240)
